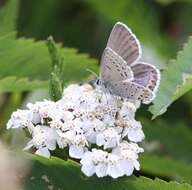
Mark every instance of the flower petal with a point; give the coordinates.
(136, 135)
(101, 170)
(100, 140)
(43, 152)
(127, 167)
(88, 170)
(76, 151)
(114, 171)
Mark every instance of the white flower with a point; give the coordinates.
(110, 113)
(76, 141)
(21, 119)
(109, 138)
(85, 118)
(128, 153)
(65, 105)
(77, 151)
(102, 164)
(67, 116)
(73, 91)
(94, 162)
(133, 131)
(109, 120)
(56, 123)
(44, 109)
(90, 127)
(78, 94)
(114, 168)
(69, 125)
(62, 141)
(128, 110)
(124, 145)
(43, 139)
(63, 122)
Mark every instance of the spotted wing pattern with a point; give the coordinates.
(114, 68)
(131, 90)
(146, 75)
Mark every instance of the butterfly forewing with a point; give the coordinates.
(124, 43)
(113, 67)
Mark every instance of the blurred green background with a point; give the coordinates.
(162, 26)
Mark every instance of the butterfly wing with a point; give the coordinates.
(113, 67)
(131, 90)
(120, 72)
(146, 75)
(124, 43)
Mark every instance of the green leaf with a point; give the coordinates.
(8, 16)
(66, 175)
(56, 78)
(187, 85)
(14, 101)
(55, 87)
(29, 59)
(125, 11)
(54, 53)
(166, 167)
(14, 84)
(175, 81)
(166, 2)
(175, 141)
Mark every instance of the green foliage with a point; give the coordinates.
(14, 84)
(172, 1)
(56, 78)
(13, 102)
(166, 167)
(186, 87)
(25, 61)
(121, 12)
(175, 81)
(174, 139)
(71, 22)
(59, 174)
(130, 12)
(95, 19)
(8, 16)
(56, 87)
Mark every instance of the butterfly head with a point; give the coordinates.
(95, 82)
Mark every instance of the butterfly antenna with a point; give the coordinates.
(92, 72)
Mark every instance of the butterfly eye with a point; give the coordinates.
(97, 82)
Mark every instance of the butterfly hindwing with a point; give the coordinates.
(131, 90)
(124, 43)
(146, 75)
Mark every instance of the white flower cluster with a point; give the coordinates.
(97, 128)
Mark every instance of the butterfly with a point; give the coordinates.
(121, 72)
